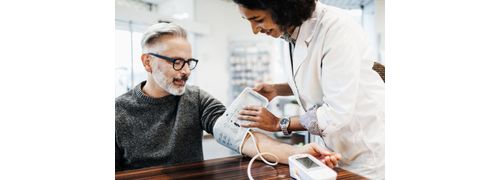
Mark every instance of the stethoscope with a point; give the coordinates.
(290, 48)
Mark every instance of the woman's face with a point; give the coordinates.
(261, 21)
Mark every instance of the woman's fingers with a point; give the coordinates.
(338, 156)
(320, 150)
(249, 124)
(252, 108)
(334, 159)
(329, 162)
(249, 113)
(258, 87)
(248, 118)
(329, 158)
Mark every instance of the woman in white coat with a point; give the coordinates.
(330, 73)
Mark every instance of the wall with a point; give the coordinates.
(380, 26)
(373, 24)
(178, 11)
(225, 23)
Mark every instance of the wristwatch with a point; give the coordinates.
(284, 123)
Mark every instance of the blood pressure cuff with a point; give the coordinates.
(227, 130)
(229, 133)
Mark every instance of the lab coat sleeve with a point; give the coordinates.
(340, 75)
(309, 121)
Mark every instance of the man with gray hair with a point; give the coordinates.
(161, 120)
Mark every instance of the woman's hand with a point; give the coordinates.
(267, 90)
(329, 158)
(259, 117)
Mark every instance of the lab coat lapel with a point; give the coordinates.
(306, 33)
(300, 53)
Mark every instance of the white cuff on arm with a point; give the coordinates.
(310, 122)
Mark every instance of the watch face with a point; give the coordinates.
(284, 121)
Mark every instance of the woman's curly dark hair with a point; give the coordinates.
(285, 13)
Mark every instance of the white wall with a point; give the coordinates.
(373, 24)
(225, 23)
(178, 11)
(380, 26)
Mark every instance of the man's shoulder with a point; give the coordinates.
(124, 98)
(127, 108)
(192, 90)
(124, 104)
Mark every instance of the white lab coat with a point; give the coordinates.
(333, 68)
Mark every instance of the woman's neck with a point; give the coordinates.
(290, 30)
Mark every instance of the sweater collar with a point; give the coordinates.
(143, 97)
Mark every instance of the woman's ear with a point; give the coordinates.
(146, 62)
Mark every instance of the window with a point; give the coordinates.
(128, 66)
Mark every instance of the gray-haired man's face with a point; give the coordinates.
(163, 73)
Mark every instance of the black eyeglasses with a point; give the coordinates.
(178, 63)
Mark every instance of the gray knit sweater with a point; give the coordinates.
(162, 131)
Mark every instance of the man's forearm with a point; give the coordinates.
(283, 89)
(283, 151)
(269, 145)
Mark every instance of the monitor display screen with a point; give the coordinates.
(306, 162)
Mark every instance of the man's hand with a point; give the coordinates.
(267, 90)
(329, 158)
(259, 117)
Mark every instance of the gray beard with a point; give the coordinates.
(168, 84)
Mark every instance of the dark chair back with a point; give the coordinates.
(380, 69)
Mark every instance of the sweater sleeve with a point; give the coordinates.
(118, 149)
(118, 157)
(210, 109)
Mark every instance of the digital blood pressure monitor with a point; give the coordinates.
(307, 167)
